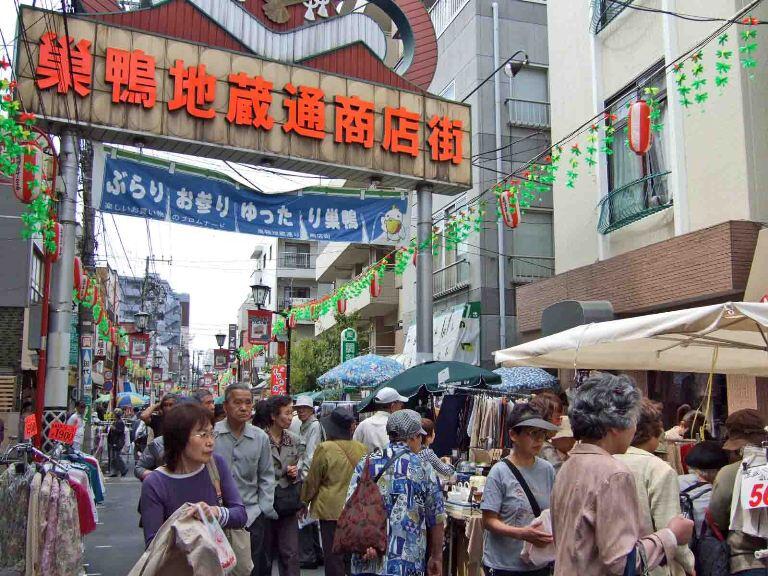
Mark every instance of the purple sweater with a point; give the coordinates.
(162, 495)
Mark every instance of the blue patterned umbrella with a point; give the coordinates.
(364, 371)
(525, 378)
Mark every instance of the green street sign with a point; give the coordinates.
(349, 348)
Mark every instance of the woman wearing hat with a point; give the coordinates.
(704, 462)
(515, 494)
(746, 434)
(325, 488)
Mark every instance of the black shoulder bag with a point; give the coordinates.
(524, 485)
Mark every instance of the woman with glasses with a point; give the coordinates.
(192, 473)
(516, 492)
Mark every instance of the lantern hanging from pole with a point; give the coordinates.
(57, 232)
(78, 277)
(341, 305)
(83, 287)
(509, 202)
(26, 180)
(375, 287)
(292, 321)
(639, 124)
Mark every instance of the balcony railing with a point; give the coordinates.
(300, 260)
(443, 13)
(604, 12)
(633, 202)
(450, 279)
(528, 113)
(527, 269)
(287, 302)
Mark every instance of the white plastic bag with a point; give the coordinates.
(540, 555)
(226, 554)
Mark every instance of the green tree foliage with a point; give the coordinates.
(313, 357)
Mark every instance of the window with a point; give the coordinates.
(36, 278)
(295, 292)
(626, 167)
(449, 92)
(604, 12)
(296, 255)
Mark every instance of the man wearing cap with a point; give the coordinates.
(373, 430)
(746, 433)
(307, 427)
(413, 500)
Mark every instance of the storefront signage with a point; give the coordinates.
(127, 84)
(259, 326)
(279, 380)
(232, 338)
(30, 426)
(220, 358)
(147, 187)
(101, 347)
(349, 346)
(138, 346)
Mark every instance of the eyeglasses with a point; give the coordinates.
(207, 435)
(536, 433)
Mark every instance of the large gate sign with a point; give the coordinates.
(124, 86)
(149, 187)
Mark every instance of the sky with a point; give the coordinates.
(214, 268)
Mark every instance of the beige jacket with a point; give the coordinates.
(658, 492)
(596, 519)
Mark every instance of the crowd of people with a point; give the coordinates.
(585, 493)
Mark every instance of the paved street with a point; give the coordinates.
(117, 543)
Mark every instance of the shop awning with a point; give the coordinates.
(733, 334)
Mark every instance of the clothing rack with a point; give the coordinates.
(487, 392)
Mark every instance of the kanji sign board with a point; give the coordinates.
(183, 97)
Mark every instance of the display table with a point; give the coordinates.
(464, 553)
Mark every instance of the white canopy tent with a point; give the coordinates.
(733, 336)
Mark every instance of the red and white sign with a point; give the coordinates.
(138, 346)
(157, 375)
(754, 488)
(279, 380)
(62, 433)
(259, 326)
(30, 427)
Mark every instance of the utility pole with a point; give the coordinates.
(88, 257)
(424, 293)
(57, 373)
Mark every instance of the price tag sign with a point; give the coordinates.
(62, 433)
(754, 488)
(30, 427)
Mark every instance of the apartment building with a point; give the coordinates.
(467, 277)
(288, 268)
(678, 226)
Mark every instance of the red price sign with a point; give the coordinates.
(30, 427)
(754, 491)
(62, 433)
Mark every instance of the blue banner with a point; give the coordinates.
(148, 187)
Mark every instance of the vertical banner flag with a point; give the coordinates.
(232, 339)
(149, 187)
(259, 326)
(138, 347)
(279, 380)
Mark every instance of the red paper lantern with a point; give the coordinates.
(639, 123)
(341, 305)
(24, 181)
(94, 294)
(509, 202)
(58, 229)
(292, 321)
(85, 285)
(113, 335)
(375, 288)
(77, 275)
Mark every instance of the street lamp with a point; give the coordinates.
(140, 320)
(512, 67)
(260, 293)
(220, 339)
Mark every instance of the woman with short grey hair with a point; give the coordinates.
(595, 512)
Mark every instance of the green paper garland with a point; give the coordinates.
(749, 46)
(722, 64)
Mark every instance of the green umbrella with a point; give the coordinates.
(435, 377)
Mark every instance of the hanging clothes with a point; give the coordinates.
(14, 502)
(33, 531)
(67, 543)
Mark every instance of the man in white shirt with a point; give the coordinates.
(373, 430)
(78, 419)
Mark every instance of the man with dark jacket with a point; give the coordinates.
(116, 441)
